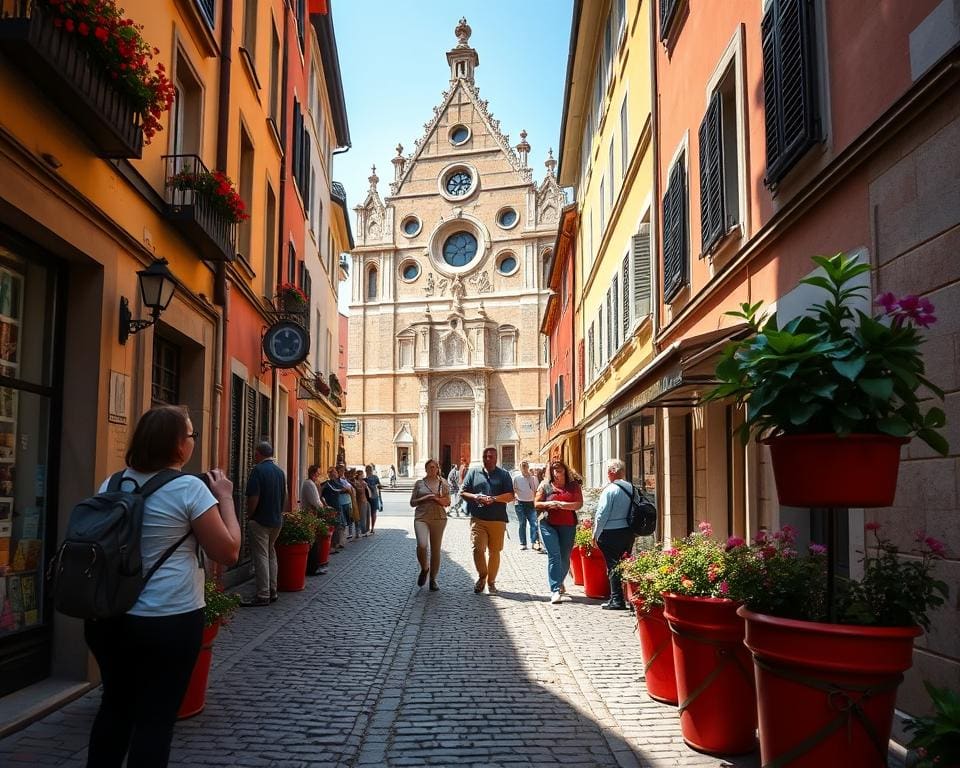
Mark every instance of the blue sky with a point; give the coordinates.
(394, 68)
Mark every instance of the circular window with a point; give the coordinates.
(507, 218)
(410, 226)
(458, 183)
(459, 249)
(507, 264)
(459, 134)
(410, 271)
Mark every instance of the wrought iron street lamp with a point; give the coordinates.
(157, 285)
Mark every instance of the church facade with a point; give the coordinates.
(448, 289)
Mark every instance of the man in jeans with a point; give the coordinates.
(487, 490)
(524, 487)
(612, 531)
(266, 497)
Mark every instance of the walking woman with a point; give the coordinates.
(146, 655)
(430, 496)
(363, 503)
(557, 500)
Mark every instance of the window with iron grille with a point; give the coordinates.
(790, 92)
(675, 243)
(166, 372)
(668, 14)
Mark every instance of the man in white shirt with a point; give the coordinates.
(524, 487)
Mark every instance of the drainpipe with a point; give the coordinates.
(281, 235)
(655, 208)
(220, 276)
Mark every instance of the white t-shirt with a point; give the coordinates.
(524, 487)
(177, 586)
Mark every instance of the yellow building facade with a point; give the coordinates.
(607, 156)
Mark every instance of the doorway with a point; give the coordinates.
(403, 461)
(454, 439)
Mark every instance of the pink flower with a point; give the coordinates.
(724, 588)
(888, 301)
(872, 526)
(735, 541)
(705, 528)
(818, 549)
(935, 545)
(760, 538)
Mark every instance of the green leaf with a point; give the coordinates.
(935, 440)
(878, 389)
(802, 413)
(850, 411)
(850, 368)
(825, 390)
(935, 418)
(894, 425)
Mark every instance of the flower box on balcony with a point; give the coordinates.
(205, 206)
(81, 86)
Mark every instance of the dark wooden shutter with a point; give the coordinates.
(625, 294)
(560, 394)
(548, 411)
(712, 208)
(641, 271)
(615, 311)
(591, 352)
(675, 232)
(611, 322)
(668, 9)
(788, 44)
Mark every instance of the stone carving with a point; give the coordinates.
(463, 32)
(456, 293)
(453, 349)
(482, 281)
(442, 286)
(457, 389)
(506, 431)
(374, 230)
(429, 289)
(550, 198)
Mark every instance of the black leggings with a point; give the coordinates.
(614, 545)
(145, 664)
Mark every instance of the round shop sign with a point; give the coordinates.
(286, 344)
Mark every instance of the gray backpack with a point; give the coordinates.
(98, 570)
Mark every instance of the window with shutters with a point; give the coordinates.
(611, 322)
(669, 12)
(719, 163)
(601, 334)
(640, 254)
(603, 208)
(625, 295)
(591, 353)
(615, 311)
(610, 175)
(624, 140)
(675, 244)
(291, 264)
(548, 411)
(561, 400)
(790, 91)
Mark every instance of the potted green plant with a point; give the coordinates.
(642, 571)
(703, 582)
(834, 393)
(215, 189)
(218, 607)
(582, 543)
(826, 689)
(936, 738)
(297, 533)
(292, 299)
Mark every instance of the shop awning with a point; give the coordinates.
(545, 448)
(675, 378)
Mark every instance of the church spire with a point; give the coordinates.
(463, 59)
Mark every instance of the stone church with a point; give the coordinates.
(445, 356)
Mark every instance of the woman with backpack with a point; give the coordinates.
(557, 500)
(146, 655)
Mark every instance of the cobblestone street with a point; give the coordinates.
(364, 669)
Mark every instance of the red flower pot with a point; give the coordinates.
(292, 566)
(628, 593)
(656, 652)
(826, 692)
(325, 549)
(718, 708)
(576, 565)
(830, 471)
(195, 699)
(595, 581)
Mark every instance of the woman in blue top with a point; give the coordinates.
(146, 656)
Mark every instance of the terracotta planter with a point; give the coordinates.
(830, 471)
(826, 692)
(595, 581)
(325, 548)
(576, 565)
(195, 699)
(628, 593)
(292, 566)
(718, 709)
(656, 652)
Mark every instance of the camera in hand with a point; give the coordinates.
(205, 478)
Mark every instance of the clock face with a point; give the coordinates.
(460, 249)
(459, 183)
(286, 344)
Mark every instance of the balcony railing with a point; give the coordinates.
(70, 78)
(195, 211)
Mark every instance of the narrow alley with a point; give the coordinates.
(362, 668)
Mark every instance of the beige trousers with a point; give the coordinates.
(264, 557)
(429, 532)
(487, 537)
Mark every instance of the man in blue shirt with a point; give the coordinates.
(266, 498)
(487, 490)
(611, 530)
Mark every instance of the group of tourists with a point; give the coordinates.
(546, 513)
(353, 493)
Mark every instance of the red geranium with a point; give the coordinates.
(218, 190)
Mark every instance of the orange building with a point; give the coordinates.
(778, 138)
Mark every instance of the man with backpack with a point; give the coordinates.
(611, 529)
(266, 497)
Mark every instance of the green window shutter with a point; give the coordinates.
(712, 208)
(788, 45)
(641, 271)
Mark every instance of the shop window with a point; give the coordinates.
(642, 454)
(166, 371)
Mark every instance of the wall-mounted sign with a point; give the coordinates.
(286, 344)
(350, 427)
